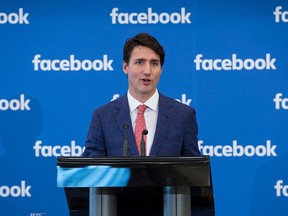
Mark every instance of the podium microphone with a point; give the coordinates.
(125, 144)
(142, 143)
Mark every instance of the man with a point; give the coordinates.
(172, 126)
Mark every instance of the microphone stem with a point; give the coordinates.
(142, 147)
(125, 148)
(125, 144)
(143, 144)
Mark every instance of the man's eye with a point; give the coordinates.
(155, 64)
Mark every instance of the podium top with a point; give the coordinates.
(133, 171)
(131, 161)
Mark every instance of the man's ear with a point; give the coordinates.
(124, 66)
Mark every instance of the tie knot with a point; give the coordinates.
(141, 109)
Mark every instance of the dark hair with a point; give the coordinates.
(146, 40)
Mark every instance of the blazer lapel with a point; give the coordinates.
(122, 116)
(164, 118)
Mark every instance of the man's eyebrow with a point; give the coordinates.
(144, 59)
(140, 59)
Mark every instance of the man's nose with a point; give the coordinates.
(147, 69)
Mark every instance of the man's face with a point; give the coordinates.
(143, 70)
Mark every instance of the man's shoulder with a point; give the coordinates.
(115, 104)
(173, 103)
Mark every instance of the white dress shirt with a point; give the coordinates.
(150, 114)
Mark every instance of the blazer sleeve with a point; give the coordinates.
(190, 140)
(95, 144)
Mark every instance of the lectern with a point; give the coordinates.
(169, 186)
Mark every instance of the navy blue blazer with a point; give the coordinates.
(176, 130)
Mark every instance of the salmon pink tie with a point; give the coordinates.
(140, 125)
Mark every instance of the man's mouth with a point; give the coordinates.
(146, 81)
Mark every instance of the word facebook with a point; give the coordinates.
(183, 100)
(238, 150)
(72, 64)
(15, 104)
(280, 15)
(56, 151)
(235, 63)
(281, 189)
(14, 18)
(150, 17)
(16, 191)
(280, 102)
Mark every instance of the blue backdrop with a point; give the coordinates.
(60, 60)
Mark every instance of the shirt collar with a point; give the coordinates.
(152, 102)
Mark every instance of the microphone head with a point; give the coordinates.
(144, 132)
(125, 126)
